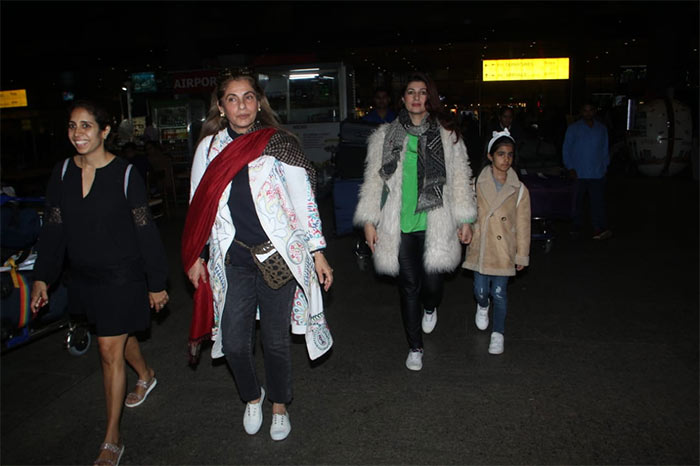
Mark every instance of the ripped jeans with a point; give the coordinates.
(494, 285)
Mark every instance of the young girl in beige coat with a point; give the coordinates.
(501, 241)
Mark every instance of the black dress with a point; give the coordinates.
(114, 251)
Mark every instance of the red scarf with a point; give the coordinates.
(200, 218)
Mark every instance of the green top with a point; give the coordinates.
(410, 220)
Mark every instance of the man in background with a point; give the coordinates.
(586, 156)
(381, 113)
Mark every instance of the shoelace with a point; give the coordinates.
(250, 408)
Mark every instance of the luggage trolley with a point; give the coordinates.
(551, 198)
(349, 160)
(21, 221)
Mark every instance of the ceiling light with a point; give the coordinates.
(294, 77)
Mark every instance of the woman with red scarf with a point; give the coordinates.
(254, 215)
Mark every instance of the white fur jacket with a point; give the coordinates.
(442, 247)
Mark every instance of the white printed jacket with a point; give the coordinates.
(287, 209)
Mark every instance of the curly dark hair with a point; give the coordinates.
(102, 117)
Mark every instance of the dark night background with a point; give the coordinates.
(91, 48)
(43, 41)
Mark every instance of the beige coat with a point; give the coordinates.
(502, 229)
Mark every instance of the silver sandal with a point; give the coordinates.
(112, 448)
(148, 386)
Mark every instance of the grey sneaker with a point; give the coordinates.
(281, 427)
(482, 317)
(429, 320)
(253, 418)
(496, 345)
(414, 361)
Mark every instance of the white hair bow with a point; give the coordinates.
(497, 135)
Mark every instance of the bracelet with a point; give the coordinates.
(318, 251)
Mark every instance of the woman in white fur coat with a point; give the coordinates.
(416, 205)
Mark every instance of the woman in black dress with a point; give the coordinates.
(97, 217)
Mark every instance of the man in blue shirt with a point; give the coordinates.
(587, 157)
(381, 113)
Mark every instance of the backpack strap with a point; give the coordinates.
(127, 174)
(520, 194)
(65, 167)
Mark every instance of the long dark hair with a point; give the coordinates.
(215, 122)
(432, 104)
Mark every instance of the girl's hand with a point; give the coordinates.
(158, 299)
(324, 270)
(39, 296)
(519, 267)
(371, 236)
(465, 233)
(196, 272)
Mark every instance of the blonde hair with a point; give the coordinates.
(215, 122)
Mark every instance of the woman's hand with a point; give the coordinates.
(371, 236)
(158, 299)
(519, 268)
(324, 270)
(464, 233)
(39, 296)
(196, 272)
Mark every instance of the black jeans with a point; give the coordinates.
(418, 290)
(595, 187)
(246, 292)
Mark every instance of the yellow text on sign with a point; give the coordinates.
(526, 69)
(16, 98)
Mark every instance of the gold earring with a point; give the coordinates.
(259, 109)
(222, 115)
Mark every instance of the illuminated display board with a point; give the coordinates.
(16, 98)
(526, 69)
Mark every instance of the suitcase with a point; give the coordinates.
(551, 197)
(352, 149)
(344, 203)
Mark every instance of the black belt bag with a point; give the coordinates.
(274, 269)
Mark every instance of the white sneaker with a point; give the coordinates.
(253, 418)
(482, 317)
(429, 320)
(496, 345)
(414, 361)
(281, 426)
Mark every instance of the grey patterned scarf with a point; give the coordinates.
(431, 157)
